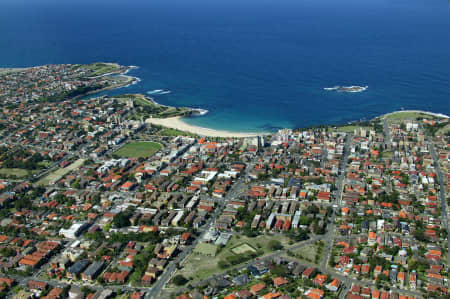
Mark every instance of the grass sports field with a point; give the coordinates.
(18, 172)
(138, 149)
(242, 248)
(197, 267)
(59, 173)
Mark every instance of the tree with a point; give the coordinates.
(298, 236)
(7, 252)
(280, 270)
(22, 203)
(275, 245)
(223, 264)
(382, 277)
(419, 234)
(179, 280)
(121, 219)
(304, 220)
(96, 236)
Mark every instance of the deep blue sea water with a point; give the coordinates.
(256, 65)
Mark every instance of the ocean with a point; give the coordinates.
(255, 65)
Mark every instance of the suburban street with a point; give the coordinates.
(387, 134)
(442, 197)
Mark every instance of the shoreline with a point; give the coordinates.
(178, 124)
(130, 80)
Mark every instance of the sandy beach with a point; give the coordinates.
(179, 124)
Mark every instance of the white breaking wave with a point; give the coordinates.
(155, 91)
(158, 92)
(131, 67)
(199, 111)
(135, 81)
(155, 102)
(352, 88)
(331, 88)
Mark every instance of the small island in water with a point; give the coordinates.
(353, 88)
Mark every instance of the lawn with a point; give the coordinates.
(139, 99)
(59, 173)
(205, 249)
(258, 243)
(17, 172)
(138, 149)
(197, 267)
(242, 248)
(142, 101)
(308, 253)
(173, 132)
(443, 131)
(102, 68)
(408, 115)
(172, 112)
(146, 107)
(387, 155)
(349, 128)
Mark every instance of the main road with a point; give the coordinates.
(330, 235)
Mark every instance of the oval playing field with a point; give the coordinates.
(143, 149)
